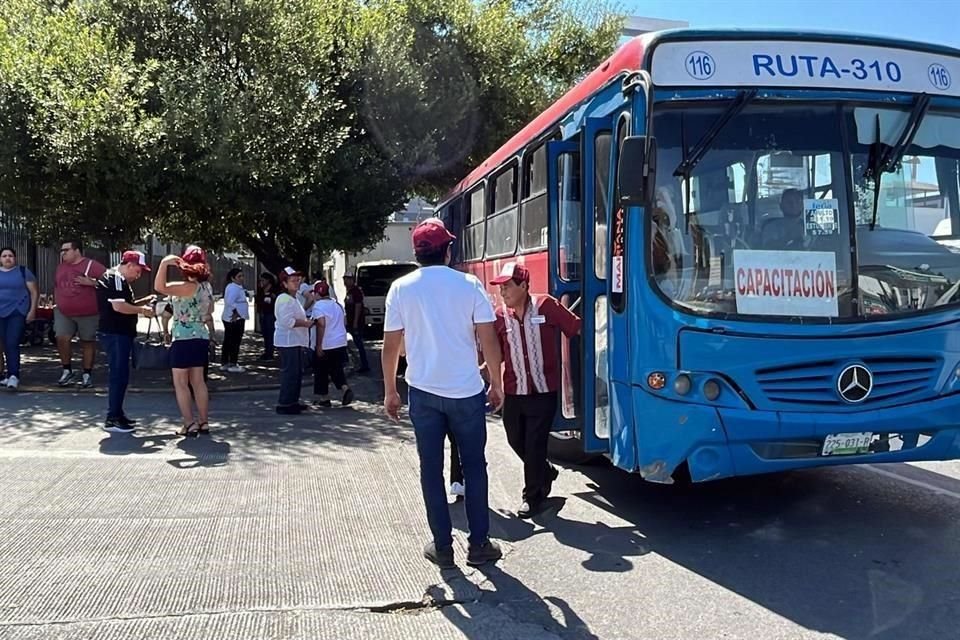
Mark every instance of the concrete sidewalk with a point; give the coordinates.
(272, 527)
(41, 367)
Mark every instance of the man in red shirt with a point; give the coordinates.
(527, 327)
(76, 313)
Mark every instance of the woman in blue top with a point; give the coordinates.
(18, 306)
(192, 302)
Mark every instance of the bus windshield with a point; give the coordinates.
(776, 216)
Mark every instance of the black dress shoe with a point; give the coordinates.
(529, 508)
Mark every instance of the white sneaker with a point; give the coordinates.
(236, 369)
(457, 489)
(65, 377)
(3, 381)
(13, 382)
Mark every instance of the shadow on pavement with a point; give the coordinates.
(509, 597)
(838, 551)
(127, 444)
(203, 451)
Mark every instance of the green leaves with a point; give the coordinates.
(287, 126)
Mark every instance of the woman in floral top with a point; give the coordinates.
(192, 320)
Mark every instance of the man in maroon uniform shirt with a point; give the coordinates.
(527, 327)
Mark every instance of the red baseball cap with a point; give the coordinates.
(512, 271)
(135, 257)
(321, 288)
(194, 255)
(430, 235)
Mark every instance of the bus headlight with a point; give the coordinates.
(711, 390)
(682, 384)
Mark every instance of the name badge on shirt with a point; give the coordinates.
(538, 319)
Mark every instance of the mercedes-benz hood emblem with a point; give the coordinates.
(855, 383)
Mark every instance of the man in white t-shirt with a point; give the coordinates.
(446, 390)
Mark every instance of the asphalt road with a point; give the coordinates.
(311, 527)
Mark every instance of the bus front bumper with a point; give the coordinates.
(724, 442)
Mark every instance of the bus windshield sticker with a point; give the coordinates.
(820, 217)
(786, 283)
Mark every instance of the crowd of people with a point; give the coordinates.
(96, 305)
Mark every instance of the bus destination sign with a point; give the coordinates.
(798, 64)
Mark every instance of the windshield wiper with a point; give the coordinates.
(691, 160)
(886, 158)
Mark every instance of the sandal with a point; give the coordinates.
(185, 430)
(193, 433)
(204, 427)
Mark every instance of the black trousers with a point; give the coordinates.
(456, 471)
(330, 366)
(232, 337)
(527, 420)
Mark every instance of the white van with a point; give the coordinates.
(374, 279)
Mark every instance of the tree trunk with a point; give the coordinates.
(295, 251)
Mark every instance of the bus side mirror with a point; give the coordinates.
(637, 169)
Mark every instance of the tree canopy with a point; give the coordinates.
(284, 126)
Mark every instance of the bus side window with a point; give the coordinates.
(533, 209)
(473, 216)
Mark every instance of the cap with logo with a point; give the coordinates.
(512, 271)
(431, 235)
(135, 257)
(289, 272)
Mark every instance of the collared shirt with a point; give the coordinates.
(530, 344)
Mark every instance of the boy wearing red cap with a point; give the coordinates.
(527, 328)
(117, 329)
(438, 313)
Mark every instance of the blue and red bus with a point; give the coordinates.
(761, 231)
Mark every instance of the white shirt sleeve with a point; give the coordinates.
(286, 311)
(393, 320)
(482, 309)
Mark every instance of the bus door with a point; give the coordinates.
(578, 272)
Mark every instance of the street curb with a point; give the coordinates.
(99, 391)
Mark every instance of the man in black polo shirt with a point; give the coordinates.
(118, 328)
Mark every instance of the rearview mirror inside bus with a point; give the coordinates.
(637, 169)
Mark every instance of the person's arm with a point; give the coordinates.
(393, 343)
(34, 299)
(559, 315)
(180, 289)
(493, 358)
(390, 360)
(287, 315)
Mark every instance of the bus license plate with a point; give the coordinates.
(846, 444)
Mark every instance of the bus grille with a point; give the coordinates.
(815, 383)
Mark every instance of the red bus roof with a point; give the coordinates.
(626, 58)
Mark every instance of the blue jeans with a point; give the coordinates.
(357, 335)
(268, 323)
(11, 332)
(433, 417)
(291, 376)
(118, 347)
